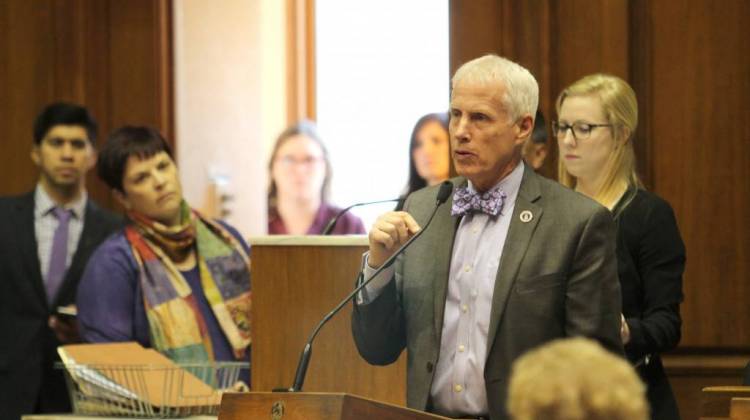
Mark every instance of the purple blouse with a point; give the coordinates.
(110, 300)
(348, 224)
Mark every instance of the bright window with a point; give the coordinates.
(380, 65)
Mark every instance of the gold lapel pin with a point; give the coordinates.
(526, 216)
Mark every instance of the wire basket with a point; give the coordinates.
(153, 391)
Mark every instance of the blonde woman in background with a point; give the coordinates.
(597, 118)
(575, 379)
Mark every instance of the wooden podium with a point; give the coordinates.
(718, 402)
(296, 281)
(312, 406)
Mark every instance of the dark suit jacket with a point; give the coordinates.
(651, 260)
(28, 381)
(557, 278)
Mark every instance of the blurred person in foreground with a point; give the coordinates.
(575, 379)
(171, 279)
(511, 261)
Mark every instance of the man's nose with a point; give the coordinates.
(462, 130)
(66, 151)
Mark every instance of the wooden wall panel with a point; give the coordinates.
(474, 30)
(26, 83)
(588, 37)
(113, 57)
(700, 158)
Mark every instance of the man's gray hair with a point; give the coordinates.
(521, 89)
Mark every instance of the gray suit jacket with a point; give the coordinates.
(557, 278)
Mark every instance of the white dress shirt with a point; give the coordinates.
(458, 387)
(45, 224)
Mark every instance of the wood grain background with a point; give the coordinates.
(114, 57)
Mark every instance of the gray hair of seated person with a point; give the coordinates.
(575, 379)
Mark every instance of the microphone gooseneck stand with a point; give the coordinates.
(299, 377)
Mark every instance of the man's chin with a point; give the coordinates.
(465, 172)
(66, 182)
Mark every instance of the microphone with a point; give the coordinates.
(332, 223)
(299, 377)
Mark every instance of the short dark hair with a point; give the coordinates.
(123, 143)
(539, 135)
(63, 113)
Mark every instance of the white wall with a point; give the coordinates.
(380, 66)
(229, 102)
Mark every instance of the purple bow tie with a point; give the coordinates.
(466, 201)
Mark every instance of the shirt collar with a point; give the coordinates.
(43, 203)
(510, 184)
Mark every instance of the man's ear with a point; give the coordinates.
(92, 160)
(525, 127)
(122, 199)
(35, 157)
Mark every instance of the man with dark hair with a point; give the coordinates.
(536, 149)
(46, 237)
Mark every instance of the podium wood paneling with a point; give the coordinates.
(313, 406)
(716, 401)
(294, 287)
(689, 374)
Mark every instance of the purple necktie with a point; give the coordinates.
(59, 255)
(466, 201)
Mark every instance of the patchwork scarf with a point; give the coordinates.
(177, 327)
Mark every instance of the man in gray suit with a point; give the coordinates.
(512, 261)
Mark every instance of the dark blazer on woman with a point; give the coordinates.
(28, 348)
(651, 260)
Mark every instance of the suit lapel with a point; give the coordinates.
(447, 225)
(516, 243)
(26, 234)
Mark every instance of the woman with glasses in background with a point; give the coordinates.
(597, 119)
(300, 178)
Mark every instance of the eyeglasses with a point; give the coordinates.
(290, 161)
(580, 130)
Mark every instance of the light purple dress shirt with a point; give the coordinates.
(458, 387)
(45, 224)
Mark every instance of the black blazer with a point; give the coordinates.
(28, 381)
(651, 260)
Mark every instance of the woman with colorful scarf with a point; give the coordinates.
(172, 279)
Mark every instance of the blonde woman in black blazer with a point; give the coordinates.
(597, 117)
